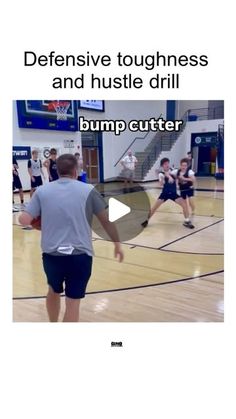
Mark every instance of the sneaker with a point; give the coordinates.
(145, 223)
(14, 209)
(188, 224)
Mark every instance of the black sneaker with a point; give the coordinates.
(188, 224)
(145, 223)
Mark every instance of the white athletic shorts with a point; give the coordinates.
(129, 174)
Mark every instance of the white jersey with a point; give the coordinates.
(190, 173)
(172, 172)
(129, 162)
(35, 166)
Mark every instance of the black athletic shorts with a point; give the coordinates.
(71, 272)
(53, 178)
(37, 182)
(16, 182)
(187, 193)
(171, 195)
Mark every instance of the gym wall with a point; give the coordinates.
(113, 146)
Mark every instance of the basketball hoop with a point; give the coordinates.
(61, 108)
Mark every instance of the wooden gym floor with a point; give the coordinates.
(169, 273)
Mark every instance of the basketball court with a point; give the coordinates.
(169, 273)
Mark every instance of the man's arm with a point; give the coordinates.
(122, 162)
(112, 232)
(98, 207)
(81, 164)
(41, 170)
(161, 179)
(30, 170)
(192, 178)
(46, 164)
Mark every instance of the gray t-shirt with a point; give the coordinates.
(66, 207)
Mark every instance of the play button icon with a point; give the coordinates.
(127, 208)
(116, 209)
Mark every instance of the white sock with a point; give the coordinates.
(187, 220)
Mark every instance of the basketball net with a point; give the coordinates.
(61, 109)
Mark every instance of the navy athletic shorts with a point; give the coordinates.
(69, 272)
(37, 182)
(16, 182)
(53, 178)
(171, 195)
(187, 193)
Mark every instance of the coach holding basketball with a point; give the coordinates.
(66, 208)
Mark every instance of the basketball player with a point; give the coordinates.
(129, 163)
(80, 166)
(167, 179)
(16, 184)
(66, 235)
(186, 182)
(51, 165)
(190, 159)
(35, 171)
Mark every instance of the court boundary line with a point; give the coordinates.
(190, 234)
(133, 246)
(192, 253)
(161, 248)
(130, 288)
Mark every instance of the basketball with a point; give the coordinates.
(36, 223)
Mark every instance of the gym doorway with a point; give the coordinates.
(92, 156)
(204, 149)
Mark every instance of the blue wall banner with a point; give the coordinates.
(21, 152)
(94, 105)
(170, 110)
(43, 114)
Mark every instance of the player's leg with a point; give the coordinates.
(131, 176)
(53, 304)
(13, 189)
(13, 198)
(72, 310)
(21, 193)
(32, 190)
(54, 270)
(183, 203)
(78, 272)
(191, 204)
(126, 179)
(18, 185)
(152, 211)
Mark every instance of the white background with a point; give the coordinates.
(70, 370)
